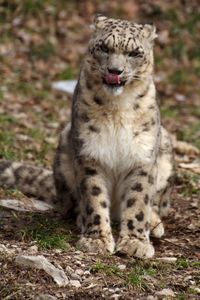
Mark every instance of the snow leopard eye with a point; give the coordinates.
(104, 48)
(135, 53)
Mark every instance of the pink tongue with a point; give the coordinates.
(113, 78)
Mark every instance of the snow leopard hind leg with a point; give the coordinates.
(164, 184)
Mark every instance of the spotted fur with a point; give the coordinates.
(114, 160)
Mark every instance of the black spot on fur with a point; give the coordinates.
(90, 171)
(84, 117)
(142, 173)
(131, 202)
(146, 199)
(151, 179)
(171, 179)
(88, 85)
(19, 173)
(103, 204)
(164, 204)
(146, 126)
(140, 216)
(79, 160)
(136, 106)
(144, 93)
(98, 100)
(140, 230)
(83, 186)
(89, 209)
(152, 107)
(130, 225)
(61, 185)
(136, 133)
(78, 143)
(147, 226)
(97, 219)
(96, 191)
(137, 187)
(4, 165)
(153, 122)
(93, 129)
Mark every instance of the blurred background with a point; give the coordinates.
(42, 41)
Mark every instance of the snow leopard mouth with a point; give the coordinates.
(113, 81)
(114, 85)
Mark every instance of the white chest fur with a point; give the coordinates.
(116, 146)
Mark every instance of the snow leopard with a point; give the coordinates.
(114, 160)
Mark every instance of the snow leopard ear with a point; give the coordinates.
(149, 32)
(99, 21)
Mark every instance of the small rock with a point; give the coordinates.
(50, 140)
(165, 292)
(79, 272)
(4, 249)
(57, 251)
(79, 264)
(45, 297)
(87, 273)
(196, 289)
(167, 259)
(115, 296)
(78, 252)
(33, 249)
(117, 290)
(75, 276)
(92, 285)
(75, 283)
(180, 97)
(69, 270)
(40, 262)
(150, 297)
(122, 267)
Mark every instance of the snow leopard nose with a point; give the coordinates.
(115, 71)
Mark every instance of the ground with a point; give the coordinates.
(44, 41)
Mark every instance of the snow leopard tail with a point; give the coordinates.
(30, 180)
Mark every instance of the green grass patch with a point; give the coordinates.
(1, 95)
(136, 276)
(183, 263)
(67, 74)
(6, 119)
(48, 234)
(7, 141)
(35, 133)
(170, 112)
(13, 193)
(106, 269)
(30, 90)
(179, 77)
(24, 88)
(43, 51)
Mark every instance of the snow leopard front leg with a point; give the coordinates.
(94, 217)
(137, 192)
